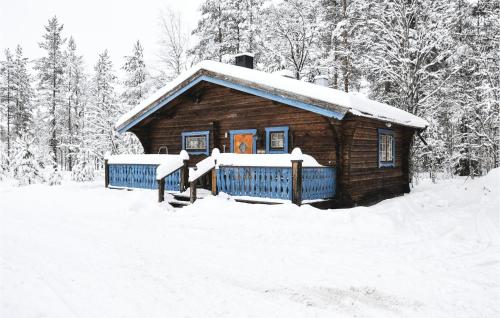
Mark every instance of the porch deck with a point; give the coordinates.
(280, 178)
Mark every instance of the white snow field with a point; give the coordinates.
(79, 250)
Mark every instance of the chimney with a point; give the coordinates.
(244, 59)
(321, 80)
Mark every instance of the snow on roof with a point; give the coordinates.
(336, 100)
(244, 53)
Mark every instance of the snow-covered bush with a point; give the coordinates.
(53, 176)
(3, 164)
(26, 168)
(84, 168)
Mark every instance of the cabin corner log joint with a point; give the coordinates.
(361, 146)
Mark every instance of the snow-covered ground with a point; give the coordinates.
(80, 250)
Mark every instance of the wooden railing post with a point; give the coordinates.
(214, 180)
(192, 191)
(106, 173)
(184, 182)
(297, 182)
(161, 190)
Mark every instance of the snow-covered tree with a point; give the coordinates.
(136, 76)
(341, 42)
(4, 163)
(103, 109)
(75, 91)
(22, 94)
(6, 97)
(228, 27)
(51, 86)
(291, 36)
(174, 42)
(84, 169)
(26, 167)
(211, 32)
(474, 93)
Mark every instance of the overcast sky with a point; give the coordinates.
(95, 24)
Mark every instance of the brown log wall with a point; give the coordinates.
(364, 181)
(219, 110)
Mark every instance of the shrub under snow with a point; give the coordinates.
(53, 176)
(26, 168)
(84, 169)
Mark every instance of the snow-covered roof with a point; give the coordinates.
(335, 103)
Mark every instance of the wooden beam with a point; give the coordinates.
(184, 182)
(192, 192)
(214, 181)
(297, 182)
(106, 173)
(161, 190)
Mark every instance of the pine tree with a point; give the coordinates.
(329, 61)
(103, 109)
(22, 94)
(6, 96)
(228, 27)
(74, 88)
(136, 75)
(475, 98)
(84, 168)
(211, 32)
(51, 70)
(26, 167)
(4, 163)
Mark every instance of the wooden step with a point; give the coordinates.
(181, 197)
(201, 193)
(178, 204)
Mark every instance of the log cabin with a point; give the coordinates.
(240, 110)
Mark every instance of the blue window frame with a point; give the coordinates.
(243, 131)
(196, 142)
(386, 148)
(277, 139)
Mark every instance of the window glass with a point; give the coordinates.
(386, 148)
(389, 148)
(195, 142)
(277, 139)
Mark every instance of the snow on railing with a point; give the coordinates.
(202, 167)
(265, 160)
(142, 159)
(173, 163)
(144, 170)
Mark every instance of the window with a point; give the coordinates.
(277, 139)
(195, 142)
(386, 152)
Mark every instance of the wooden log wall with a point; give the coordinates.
(220, 109)
(364, 181)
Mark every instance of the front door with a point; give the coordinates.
(243, 143)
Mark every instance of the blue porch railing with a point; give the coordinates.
(318, 183)
(264, 182)
(141, 176)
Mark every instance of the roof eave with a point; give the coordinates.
(322, 108)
